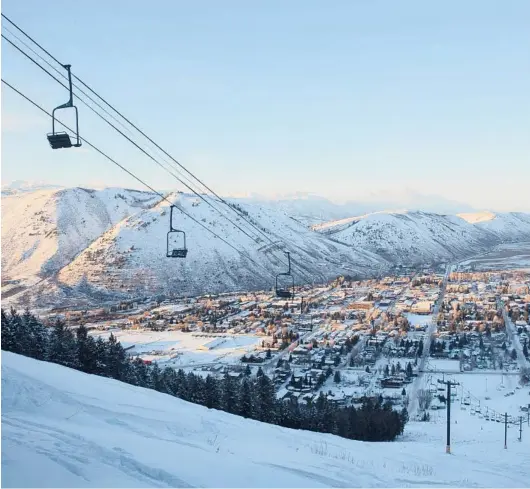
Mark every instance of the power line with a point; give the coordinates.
(163, 197)
(240, 214)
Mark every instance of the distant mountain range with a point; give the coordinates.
(76, 244)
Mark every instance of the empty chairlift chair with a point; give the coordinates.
(176, 240)
(285, 291)
(60, 140)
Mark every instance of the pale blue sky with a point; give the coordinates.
(340, 98)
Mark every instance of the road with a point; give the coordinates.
(431, 330)
(512, 333)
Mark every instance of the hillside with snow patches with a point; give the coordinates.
(82, 244)
(408, 238)
(64, 428)
(42, 231)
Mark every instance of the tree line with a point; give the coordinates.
(243, 394)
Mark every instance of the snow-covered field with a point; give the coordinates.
(62, 428)
(502, 257)
(185, 349)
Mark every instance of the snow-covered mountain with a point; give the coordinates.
(42, 231)
(418, 237)
(112, 242)
(132, 255)
(63, 428)
(82, 243)
(313, 209)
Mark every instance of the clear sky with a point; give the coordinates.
(339, 98)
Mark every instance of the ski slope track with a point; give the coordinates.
(63, 428)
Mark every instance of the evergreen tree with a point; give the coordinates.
(260, 372)
(387, 370)
(229, 395)
(181, 388)
(101, 355)
(265, 399)
(86, 351)
(8, 335)
(336, 377)
(141, 372)
(211, 393)
(62, 346)
(116, 359)
(420, 348)
(248, 372)
(408, 370)
(245, 407)
(156, 380)
(525, 349)
(513, 354)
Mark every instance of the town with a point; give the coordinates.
(349, 339)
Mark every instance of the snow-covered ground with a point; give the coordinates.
(62, 428)
(502, 257)
(185, 349)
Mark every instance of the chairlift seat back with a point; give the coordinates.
(59, 140)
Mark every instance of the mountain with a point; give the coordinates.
(313, 209)
(132, 255)
(80, 243)
(77, 245)
(43, 230)
(78, 430)
(406, 237)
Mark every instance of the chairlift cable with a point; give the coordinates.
(163, 197)
(241, 215)
(128, 138)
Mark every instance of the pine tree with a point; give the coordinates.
(408, 370)
(181, 389)
(387, 371)
(116, 359)
(101, 355)
(420, 348)
(20, 344)
(156, 380)
(141, 372)
(245, 407)
(265, 399)
(86, 351)
(229, 395)
(8, 335)
(525, 349)
(211, 393)
(62, 346)
(260, 372)
(336, 377)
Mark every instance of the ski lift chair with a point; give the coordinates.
(283, 291)
(172, 250)
(61, 140)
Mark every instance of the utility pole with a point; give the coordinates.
(520, 428)
(505, 431)
(449, 384)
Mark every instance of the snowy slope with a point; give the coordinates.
(131, 257)
(62, 428)
(42, 231)
(419, 237)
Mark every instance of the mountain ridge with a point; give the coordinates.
(85, 243)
